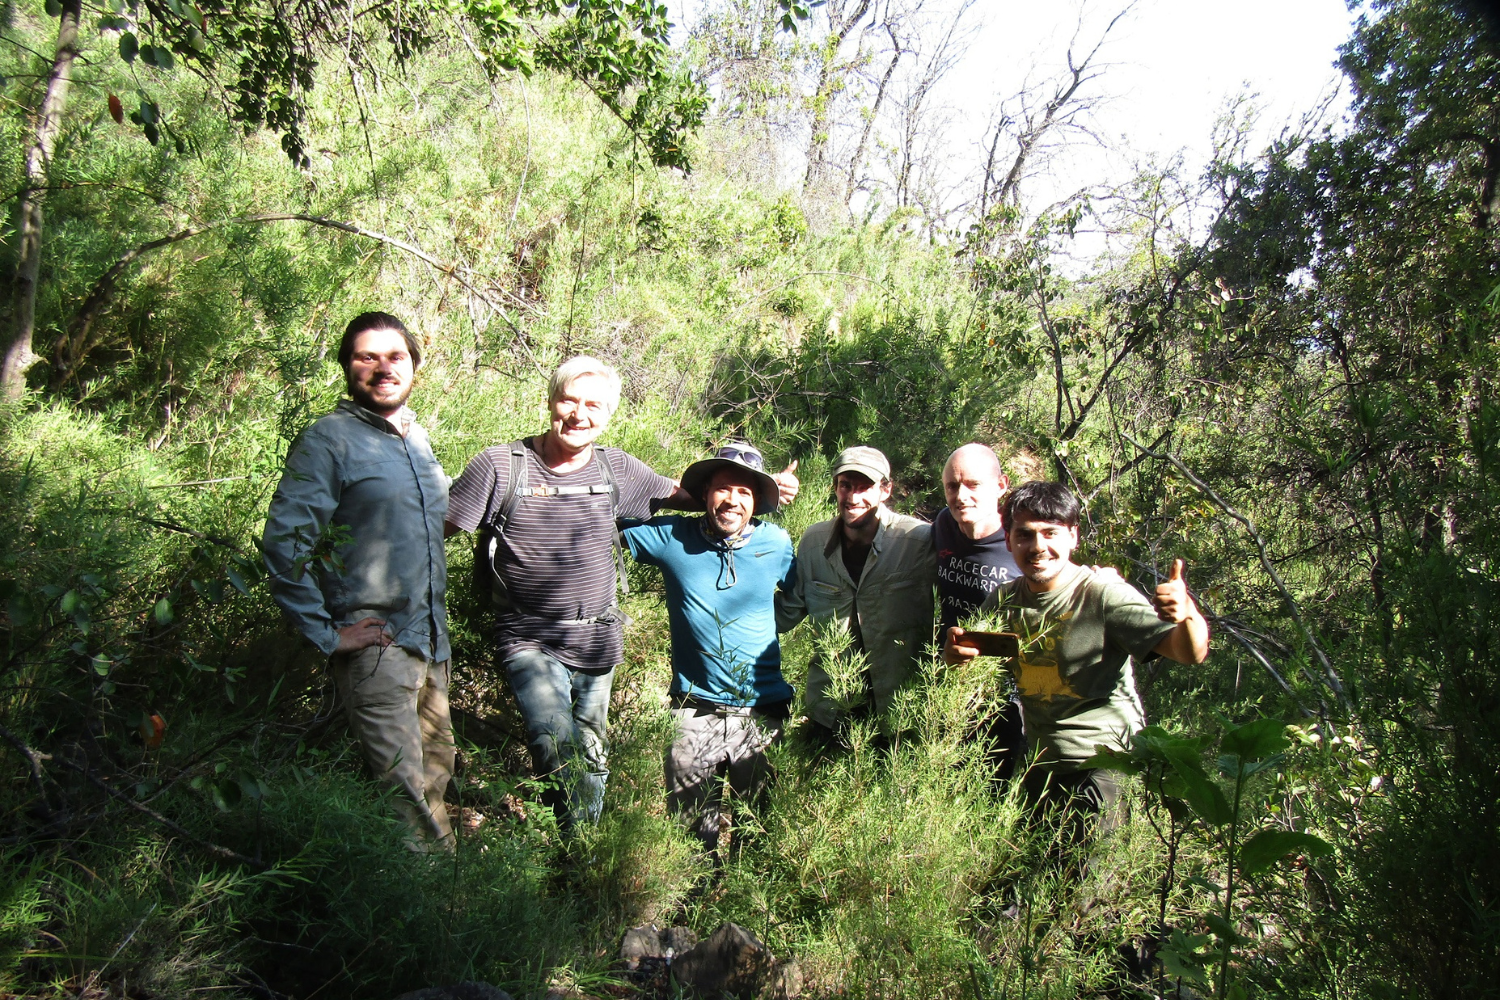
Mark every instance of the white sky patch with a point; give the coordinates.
(1169, 67)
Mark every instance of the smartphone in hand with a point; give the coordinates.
(1006, 645)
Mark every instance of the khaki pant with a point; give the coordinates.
(717, 745)
(397, 703)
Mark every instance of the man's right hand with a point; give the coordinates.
(955, 651)
(363, 634)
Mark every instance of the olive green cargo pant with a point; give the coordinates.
(397, 704)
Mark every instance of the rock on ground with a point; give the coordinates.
(732, 960)
(461, 991)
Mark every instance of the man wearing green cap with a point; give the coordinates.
(871, 571)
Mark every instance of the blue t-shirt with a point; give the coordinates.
(721, 605)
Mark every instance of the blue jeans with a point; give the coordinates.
(565, 713)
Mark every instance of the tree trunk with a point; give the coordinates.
(22, 316)
(857, 164)
(830, 81)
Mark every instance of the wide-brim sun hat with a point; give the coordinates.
(741, 456)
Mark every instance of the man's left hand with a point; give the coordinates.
(787, 483)
(1172, 601)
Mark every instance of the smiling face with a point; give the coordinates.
(859, 498)
(1042, 549)
(730, 500)
(973, 484)
(380, 371)
(580, 412)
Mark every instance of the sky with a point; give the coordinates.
(1170, 67)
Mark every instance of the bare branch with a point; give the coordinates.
(77, 343)
(1330, 676)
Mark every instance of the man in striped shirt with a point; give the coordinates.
(559, 631)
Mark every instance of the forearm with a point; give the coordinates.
(1188, 642)
(680, 499)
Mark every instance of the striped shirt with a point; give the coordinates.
(556, 555)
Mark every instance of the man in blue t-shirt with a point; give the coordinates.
(721, 569)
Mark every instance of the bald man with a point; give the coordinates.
(973, 561)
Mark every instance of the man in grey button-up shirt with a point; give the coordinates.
(354, 544)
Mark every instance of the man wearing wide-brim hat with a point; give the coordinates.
(870, 571)
(722, 570)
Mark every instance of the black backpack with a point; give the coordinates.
(485, 577)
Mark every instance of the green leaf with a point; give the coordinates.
(1109, 759)
(153, 134)
(164, 57)
(1201, 793)
(129, 46)
(227, 794)
(163, 612)
(1221, 928)
(251, 786)
(54, 8)
(148, 55)
(1267, 847)
(101, 664)
(1181, 967)
(1256, 740)
(1180, 956)
(236, 579)
(70, 602)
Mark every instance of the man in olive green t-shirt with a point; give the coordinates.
(1081, 633)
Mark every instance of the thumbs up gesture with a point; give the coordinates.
(1172, 602)
(787, 483)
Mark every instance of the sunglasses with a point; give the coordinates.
(745, 455)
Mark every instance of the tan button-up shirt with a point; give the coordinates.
(890, 608)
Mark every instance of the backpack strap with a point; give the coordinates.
(607, 473)
(485, 576)
(515, 488)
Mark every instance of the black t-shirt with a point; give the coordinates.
(968, 569)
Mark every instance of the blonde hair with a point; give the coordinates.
(576, 368)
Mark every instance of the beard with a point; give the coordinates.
(366, 396)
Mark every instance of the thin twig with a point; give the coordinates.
(216, 850)
(33, 759)
(1331, 677)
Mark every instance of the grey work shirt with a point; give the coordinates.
(889, 609)
(354, 468)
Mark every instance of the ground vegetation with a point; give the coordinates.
(1283, 372)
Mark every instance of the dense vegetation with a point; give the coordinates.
(1297, 396)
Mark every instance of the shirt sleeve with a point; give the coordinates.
(645, 541)
(470, 495)
(301, 508)
(638, 484)
(1130, 620)
(791, 598)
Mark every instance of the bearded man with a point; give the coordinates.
(354, 545)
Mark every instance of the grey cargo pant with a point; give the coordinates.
(397, 704)
(717, 745)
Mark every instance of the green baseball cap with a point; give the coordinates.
(867, 461)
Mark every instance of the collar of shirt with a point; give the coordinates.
(399, 426)
(836, 536)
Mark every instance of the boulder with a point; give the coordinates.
(640, 943)
(461, 991)
(676, 940)
(733, 961)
